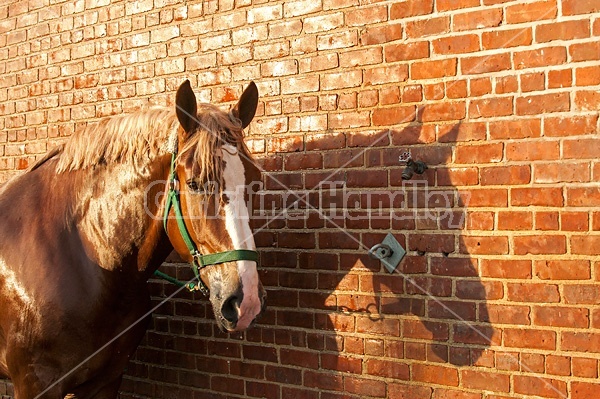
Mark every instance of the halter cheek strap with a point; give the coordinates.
(199, 261)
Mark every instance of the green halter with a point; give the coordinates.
(199, 261)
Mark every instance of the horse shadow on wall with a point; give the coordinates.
(331, 308)
(315, 242)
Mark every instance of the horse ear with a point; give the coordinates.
(245, 109)
(186, 108)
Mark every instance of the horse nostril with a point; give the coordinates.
(231, 308)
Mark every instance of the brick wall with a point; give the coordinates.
(498, 295)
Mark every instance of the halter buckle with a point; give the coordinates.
(174, 184)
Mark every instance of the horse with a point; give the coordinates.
(88, 224)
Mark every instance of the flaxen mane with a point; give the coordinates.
(139, 137)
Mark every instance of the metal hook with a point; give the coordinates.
(380, 251)
(389, 252)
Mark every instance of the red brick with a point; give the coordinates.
(529, 292)
(519, 269)
(583, 196)
(411, 8)
(486, 64)
(387, 369)
(560, 78)
(334, 81)
(369, 56)
(485, 18)
(431, 243)
(561, 316)
(442, 393)
(505, 175)
(507, 84)
(434, 91)
(481, 245)
(412, 94)
(570, 126)
(377, 327)
(531, 339)
(427, 27)
(491, 107)
(562, 269)
(363, 387)
(580, 342)
(406, 51)
(447, 111)
(515, 129)
(531, 12)
(584, 367)
(587, 76)
(456, 44)
(457, 176)
(559, 173)
(575, 7)
(506, 38)
(535, 385)
(394, 116)
(433, 69)
(408, 391)
(533, 362)
(539, 245)
(325, 141)
(480, 380)
(413, 135)
(585, 51)
(506, 314)
(367, 15)
(388, 74)
(477, 290)
(567, 30)
(543, 103)
(467, 131)
(533, 82)
(483, 198)
(574, 221)
(480, 87)
(582, 148)
(585, 245)
(558, 365)
(381, 34)
(511, 220)
(435, 374)
(587, 100)
(347, 120)
(322, 380)
(540, 58)
(546, 220)
(533, 150)
(447, 5)
(323, 23)
(451, 309)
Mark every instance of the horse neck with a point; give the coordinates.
(117, 217)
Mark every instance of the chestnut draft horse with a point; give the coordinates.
(80, 234)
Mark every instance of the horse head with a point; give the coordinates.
(207, 213)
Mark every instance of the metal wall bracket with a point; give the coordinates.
(389, 252)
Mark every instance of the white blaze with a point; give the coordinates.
(237, 223)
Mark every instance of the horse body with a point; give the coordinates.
(80, 289)
(76, 251)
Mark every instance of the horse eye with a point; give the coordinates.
(193, 185)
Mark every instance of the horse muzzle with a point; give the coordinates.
(236, 311)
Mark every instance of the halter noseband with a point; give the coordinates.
(199, 261)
